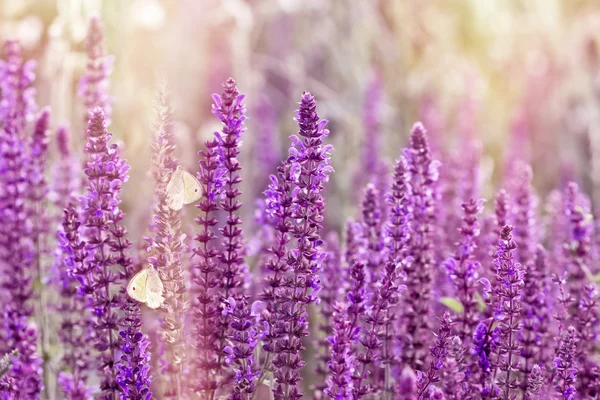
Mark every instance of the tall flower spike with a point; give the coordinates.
(166, 247)
(371, 228)
(565, 365)
(40, 234)
(342, 363)
(279, 206)
(242, 341)
(16, 251)
(378, 319)
(463, 269)
(16, 78)
(577, 246)
(534, 336)
(76, 327)
(308, 154)
(93, 86)
(508, 288)
(229, 109)
(333, 280)
(98, 274)
(415, 320)
(397, 233)
(205, 275)
(438, 353)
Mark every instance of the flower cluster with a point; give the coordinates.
(416, 293)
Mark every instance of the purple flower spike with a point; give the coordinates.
(242, 342)
(507, 291)
(230, 110)
(535, 336)
(312, 158)
(106, 247)
(205, 275)
(415, 320)
(438, 352)
(371, 228)
(565, 365)
(93, 87)
(333, 282)
(342, 363)
(17, 253)
(134, 367)
(463, 269)
(16, 79)
(76, 327)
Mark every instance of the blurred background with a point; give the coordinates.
(520, 77)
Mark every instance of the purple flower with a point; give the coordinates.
(205, 275)
(231, 112)
(133, 369)
(76, 327)
(243, 339)
(166, 247)
(342, 362)
(371, 230)
(312, 158)
(415, 322)
(454, 374)
(16, 78)
(333, 281)
(378, 317)
(463, 269)
(106, 172)
(93, 86)
(577, 245)
(565, 370)
(279, 205)
(17, 253)
(534, 336)
(507, 293)
(438, 354)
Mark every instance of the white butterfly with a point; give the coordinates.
(146, 287)
(183, 188)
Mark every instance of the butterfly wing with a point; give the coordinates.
(175, 190)
(154, 289)
(136, 289)
(192, 188)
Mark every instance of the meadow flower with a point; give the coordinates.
(462, 269)
(305, 259)
(93, 86)
(76, 328)
(17, 252)
(205, 275)
(415, 323)
(166, 247)
(342, 363)
(105, 172)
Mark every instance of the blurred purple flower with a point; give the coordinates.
(463, 269)
(16, 79)
(342, 363)
(414, 323)
(93, 86)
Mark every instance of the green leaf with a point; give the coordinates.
(452, 304)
